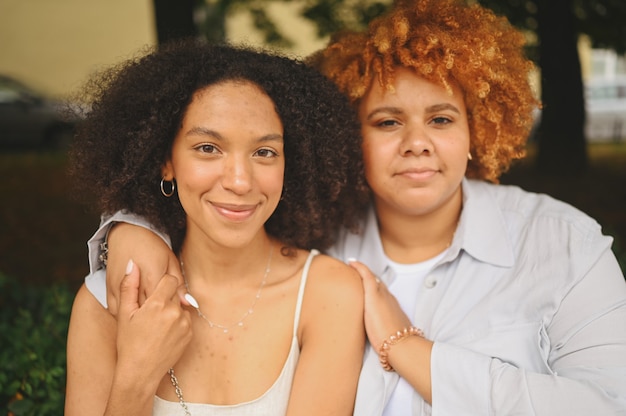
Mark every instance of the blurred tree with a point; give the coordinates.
(174, 19)
(207, 18)
(557, 25)
(554, 25)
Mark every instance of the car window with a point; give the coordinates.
(11, 91)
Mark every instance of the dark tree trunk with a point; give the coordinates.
(561, 146)
(174, 19)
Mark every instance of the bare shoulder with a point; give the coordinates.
(90, 320)
(329, 273)
(334, 288)
(86, 303)
(333, 305)
(91, 355)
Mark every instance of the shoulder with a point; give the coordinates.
(333, 291)
(539, 229)
(526, 207)
(333, 301)
(88, 311)
(328, 272)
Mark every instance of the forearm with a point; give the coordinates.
(465, 382)
(410, 358)
(574, 364)
(95, 243)
(121, 237)
(129, 397)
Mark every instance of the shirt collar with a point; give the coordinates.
(481, 233)
(482, 230)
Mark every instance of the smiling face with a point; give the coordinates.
(415, 145)
(228, 162)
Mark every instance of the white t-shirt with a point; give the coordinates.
(408, 282)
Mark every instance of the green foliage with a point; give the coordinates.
(33, 330)
(331, 16)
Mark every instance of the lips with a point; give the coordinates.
(234, 212)
(418, 173)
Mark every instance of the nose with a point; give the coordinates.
(237, 175)
(415, 141)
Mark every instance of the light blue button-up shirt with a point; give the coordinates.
(527, 310)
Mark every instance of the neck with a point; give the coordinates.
(216, 264)
(411, 239)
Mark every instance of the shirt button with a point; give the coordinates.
(430, 282)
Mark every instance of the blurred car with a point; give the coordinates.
(605, 101)
(28, 119)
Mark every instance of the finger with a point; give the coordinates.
(174, 268)
(186, 298)
(129, 290)
(112, 302)
(370, 281)
(165, 290)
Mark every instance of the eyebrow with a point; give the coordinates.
(390, 110)
(203, 131)
(441, 107)
(431, 109)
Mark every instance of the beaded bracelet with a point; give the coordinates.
(383, 352)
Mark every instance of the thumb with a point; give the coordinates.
(129, 290)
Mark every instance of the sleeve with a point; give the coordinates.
(587, 359)
(97, 243)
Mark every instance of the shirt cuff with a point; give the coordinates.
(460, 381)
(106, 222)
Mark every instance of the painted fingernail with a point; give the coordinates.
(350, 259)
(192, 301)
(129, 266)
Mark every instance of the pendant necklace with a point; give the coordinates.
(248, 312)
(224, 328)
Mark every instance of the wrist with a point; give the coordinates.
(134, 381)
(387, 344)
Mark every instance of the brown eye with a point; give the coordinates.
(266, 153)
(207, 148)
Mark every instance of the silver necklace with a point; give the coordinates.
(179, 392)
(225, 328)
(248, 312)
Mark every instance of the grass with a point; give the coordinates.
(43, 231)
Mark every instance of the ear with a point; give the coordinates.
(167, 171)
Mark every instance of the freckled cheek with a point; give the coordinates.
(270, 181)
(195, 178)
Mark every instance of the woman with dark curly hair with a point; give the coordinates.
(250, 162)
(480, 299)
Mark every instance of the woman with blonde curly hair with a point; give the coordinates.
(480, 299)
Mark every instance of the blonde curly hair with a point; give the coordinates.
(447, 42)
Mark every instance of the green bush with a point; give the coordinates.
(33, 331)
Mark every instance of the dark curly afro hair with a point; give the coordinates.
(138, 107)
(447, 41)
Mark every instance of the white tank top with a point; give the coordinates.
(271, 403)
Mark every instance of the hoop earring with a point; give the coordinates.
(172, 186)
